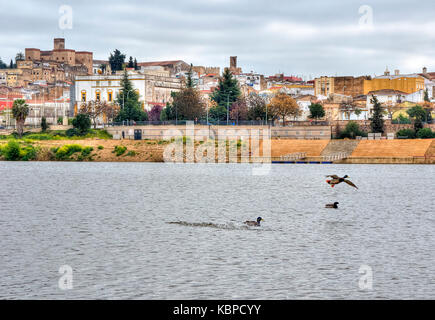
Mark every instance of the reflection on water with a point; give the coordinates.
(157, 231)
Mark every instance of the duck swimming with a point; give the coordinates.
(254, 223)
(333, 205)
(337, 180)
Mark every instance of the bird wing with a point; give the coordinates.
(350, 183)
(333, 177)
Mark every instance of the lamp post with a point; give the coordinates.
(266, 116)
(123, 98)
(228, 106)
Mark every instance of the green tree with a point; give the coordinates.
(425, 133)
(117, 60)
(426, 95)
(20, 111)
(103, 68)
(358, 112)
(228, 90)
(257, 107)
(352, 130)
(418, 114)
(377, 119)
(44, 125)
(130, 63)
(135, 64)
(316, 111)
(167, 113)
(19, 57)
(2, 64)
(189, 80)
(218, 113)
(128, 99)
(82, 123)
(11, 64)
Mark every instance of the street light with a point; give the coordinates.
(123, 98)
(228, 106)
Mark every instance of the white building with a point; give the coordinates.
(254, 80)
(152, 89)
(394, 97)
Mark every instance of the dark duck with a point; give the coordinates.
(332, 205)
(254, 223)
(337, 180)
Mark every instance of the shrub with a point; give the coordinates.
(66, 151)
(72, 132)
(316, 111)
(401, 119)
(406, 133)
(120, 150)
(42, 136)
(352, 130)
(82, 123)
(100, 148)
(28, 153)
(131, 154)
(44, 125)
(425, 133)
(87, 151)
(12, 151)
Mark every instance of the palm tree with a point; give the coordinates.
(20, 111)
(19, 57)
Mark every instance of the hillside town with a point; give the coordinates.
(56, 83)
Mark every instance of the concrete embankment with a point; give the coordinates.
(317, 151)
(365, 151)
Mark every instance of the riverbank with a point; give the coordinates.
(414, 151)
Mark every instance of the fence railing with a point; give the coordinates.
(220, 123)
(293, 156)
(336, 156)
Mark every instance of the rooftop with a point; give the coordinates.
(158, 63)
(387, 92)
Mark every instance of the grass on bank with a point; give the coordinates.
(16, 151)
(71, 152)
(70, 134)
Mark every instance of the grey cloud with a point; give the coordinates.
(295, 37)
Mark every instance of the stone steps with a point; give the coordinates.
(340, 147)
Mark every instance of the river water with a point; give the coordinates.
(159, 231)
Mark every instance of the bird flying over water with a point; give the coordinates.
(254, 223)
(337, 180)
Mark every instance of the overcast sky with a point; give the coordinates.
(307, 38)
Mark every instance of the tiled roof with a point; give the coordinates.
(386, 91)
(399, 76)
(158, 63)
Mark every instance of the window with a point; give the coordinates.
(98, 83)
(84, 96)
(97, 96)
(110, 96)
